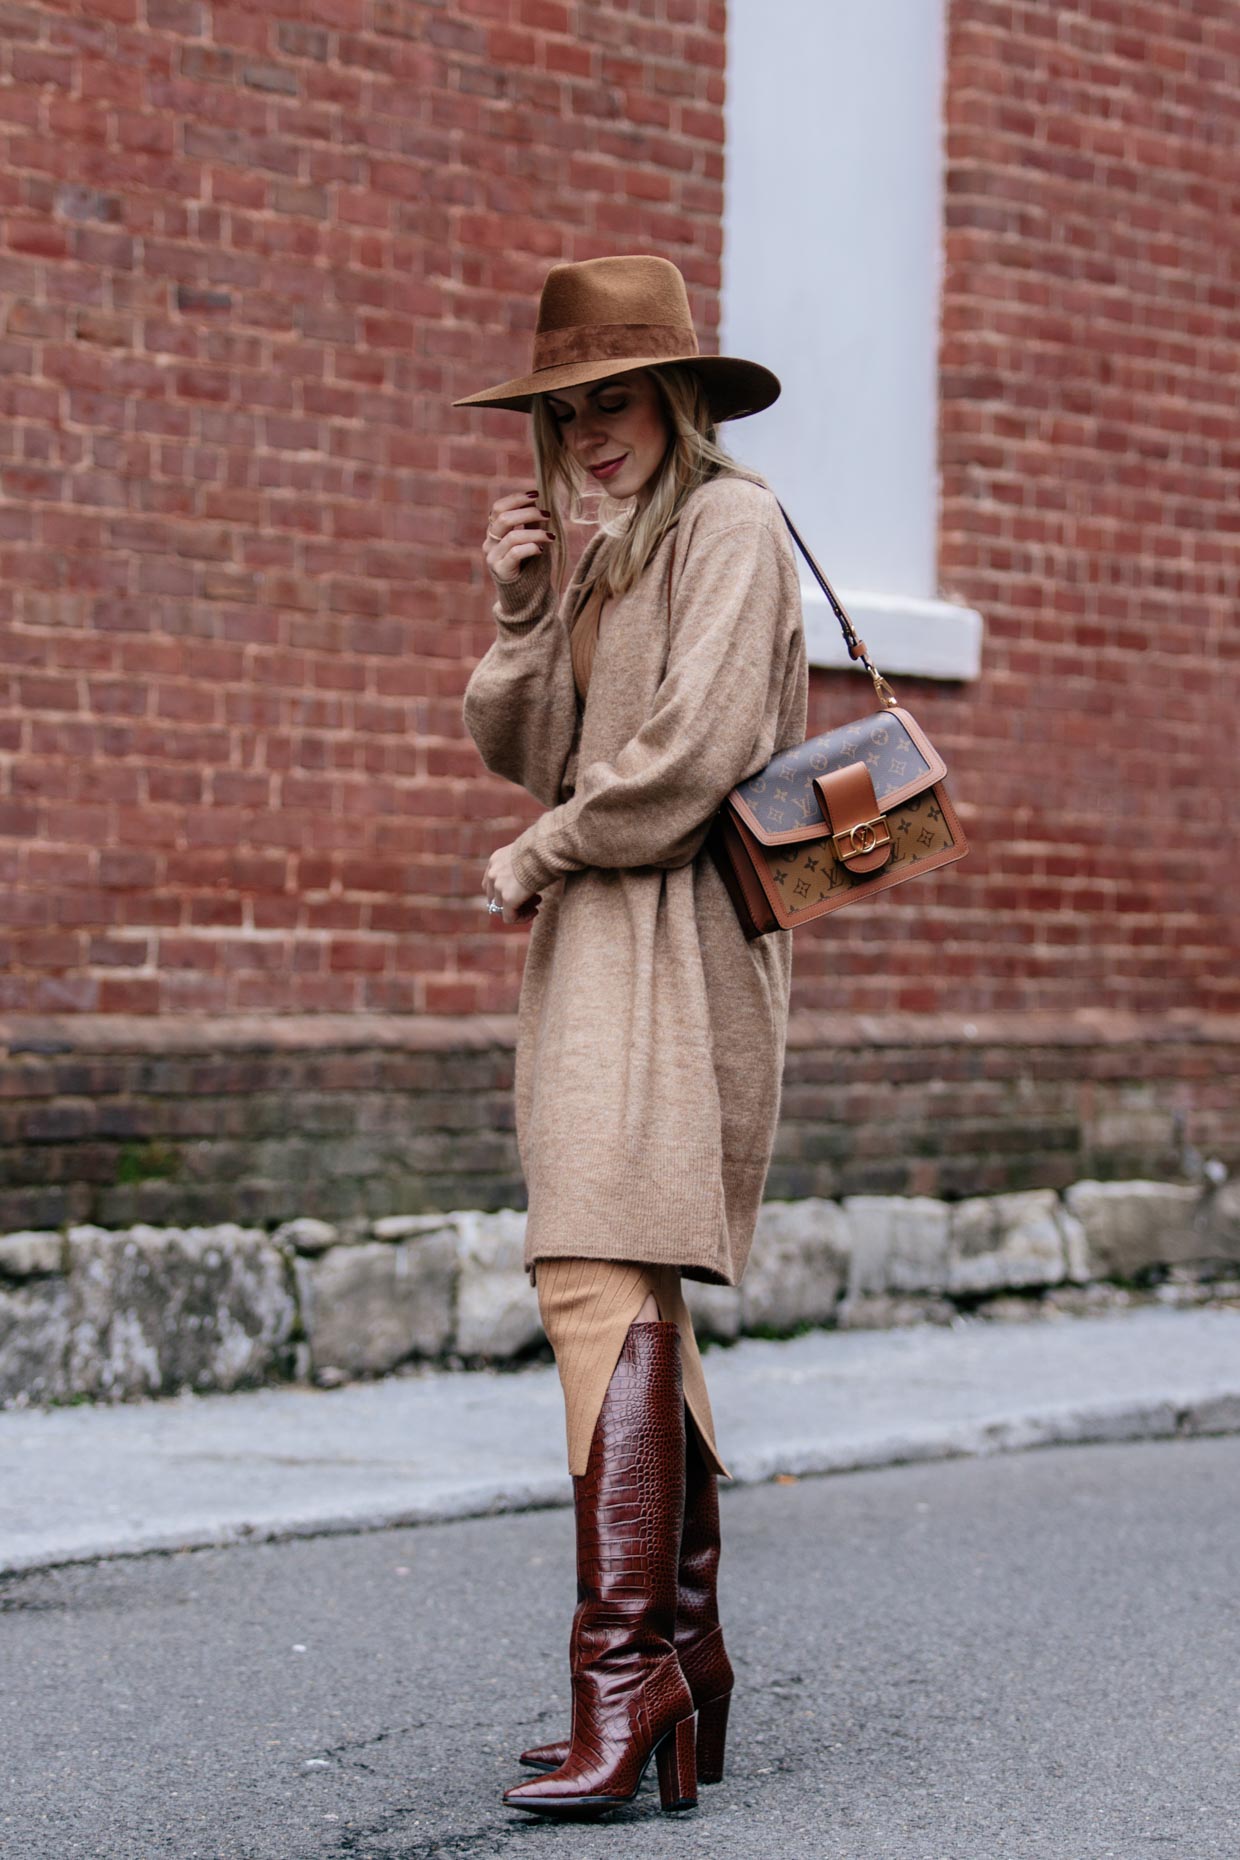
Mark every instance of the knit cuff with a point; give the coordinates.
(529, 865)
(524, 599)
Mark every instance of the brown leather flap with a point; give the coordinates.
(860, 835)
(780, 804)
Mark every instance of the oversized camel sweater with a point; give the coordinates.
(650, 1032)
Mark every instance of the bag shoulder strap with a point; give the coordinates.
(856, 646)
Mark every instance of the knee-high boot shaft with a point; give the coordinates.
(698, 1635)
(627, 1503)
(630, 1697)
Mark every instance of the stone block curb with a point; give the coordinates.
(114, 1314)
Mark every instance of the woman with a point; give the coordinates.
(651, 1033)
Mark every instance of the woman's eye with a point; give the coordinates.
(561, 418)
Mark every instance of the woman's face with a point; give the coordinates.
(622, 419)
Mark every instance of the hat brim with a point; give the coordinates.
(734, 387)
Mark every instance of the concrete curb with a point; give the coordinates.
(1157, 1420)
(483, 1501)
(219, 1470)
(1154, 1420)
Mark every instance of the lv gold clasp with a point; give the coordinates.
(861, 838)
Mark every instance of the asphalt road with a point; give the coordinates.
(1035, 1655)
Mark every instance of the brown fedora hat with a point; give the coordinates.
(605, 316)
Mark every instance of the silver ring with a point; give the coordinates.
(496, 910)
(491, 538)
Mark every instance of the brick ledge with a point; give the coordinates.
(48, 1034)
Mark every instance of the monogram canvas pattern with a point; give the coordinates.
(808, 874)
(780, 805)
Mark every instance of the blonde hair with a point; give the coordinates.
(635, 531)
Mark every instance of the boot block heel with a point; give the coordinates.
(712, 1736)
(677, 1761)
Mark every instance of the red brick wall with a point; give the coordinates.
(1090, 460)
(246, 263)
(1089, 457)
(120, 1118)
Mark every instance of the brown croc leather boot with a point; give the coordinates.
(699, 1637)
(631, 1700)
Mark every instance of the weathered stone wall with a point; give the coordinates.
(199, 1120)
(147, 1311)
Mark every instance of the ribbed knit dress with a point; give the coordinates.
(650, 1031)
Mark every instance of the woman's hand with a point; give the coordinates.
(514, 532)
(501, 887)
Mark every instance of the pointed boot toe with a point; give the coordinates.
(544, 1756)
(611, 1774)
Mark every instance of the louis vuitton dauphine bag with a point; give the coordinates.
(838, 818)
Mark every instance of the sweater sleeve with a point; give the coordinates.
(520, 704)
(653, 804)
